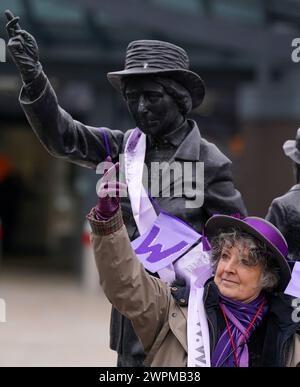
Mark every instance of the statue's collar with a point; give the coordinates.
(189, 149)
(177, 136)
(174, 138)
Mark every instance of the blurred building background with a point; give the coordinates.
(241, 48)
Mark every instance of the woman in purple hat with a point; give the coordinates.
(245, 320)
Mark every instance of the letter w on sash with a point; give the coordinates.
(156, 252)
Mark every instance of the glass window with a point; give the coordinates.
(57, 11)
(241, 10)
(182, 5)
(16, 6)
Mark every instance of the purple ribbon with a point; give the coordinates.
(205, 243)
(106, 142)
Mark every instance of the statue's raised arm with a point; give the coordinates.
(61, 135)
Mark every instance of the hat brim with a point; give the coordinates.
(290, 150)
(217, 222)
(190, 80)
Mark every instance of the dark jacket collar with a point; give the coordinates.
(173, 139)
(177, 136)
(189, 149)
(211, 294)
(187, 141)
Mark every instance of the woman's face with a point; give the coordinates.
(235, 277)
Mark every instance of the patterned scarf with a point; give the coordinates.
(241, 321)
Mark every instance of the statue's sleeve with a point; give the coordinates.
(276, 215)
(61, 135)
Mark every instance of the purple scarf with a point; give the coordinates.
(239, 317)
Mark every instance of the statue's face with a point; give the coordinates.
(153, 109)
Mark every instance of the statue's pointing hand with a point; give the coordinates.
(23, 49)
(13, 24)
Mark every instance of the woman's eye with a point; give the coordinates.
(245, 262)
(225, 257)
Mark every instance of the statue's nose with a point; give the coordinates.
(142, 105)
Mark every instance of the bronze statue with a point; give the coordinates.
(284, 211)
(159, 90)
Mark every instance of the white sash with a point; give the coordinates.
(197, 324)
(142, 209)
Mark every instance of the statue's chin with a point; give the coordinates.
(150, 130)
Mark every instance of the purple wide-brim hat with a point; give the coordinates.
(262, 230)
(291, 148)
(155, 57)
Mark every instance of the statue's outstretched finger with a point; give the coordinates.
(13, 26)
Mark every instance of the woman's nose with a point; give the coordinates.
(231, 265)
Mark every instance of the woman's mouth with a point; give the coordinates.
(229, 282)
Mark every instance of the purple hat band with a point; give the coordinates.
(269, 233)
